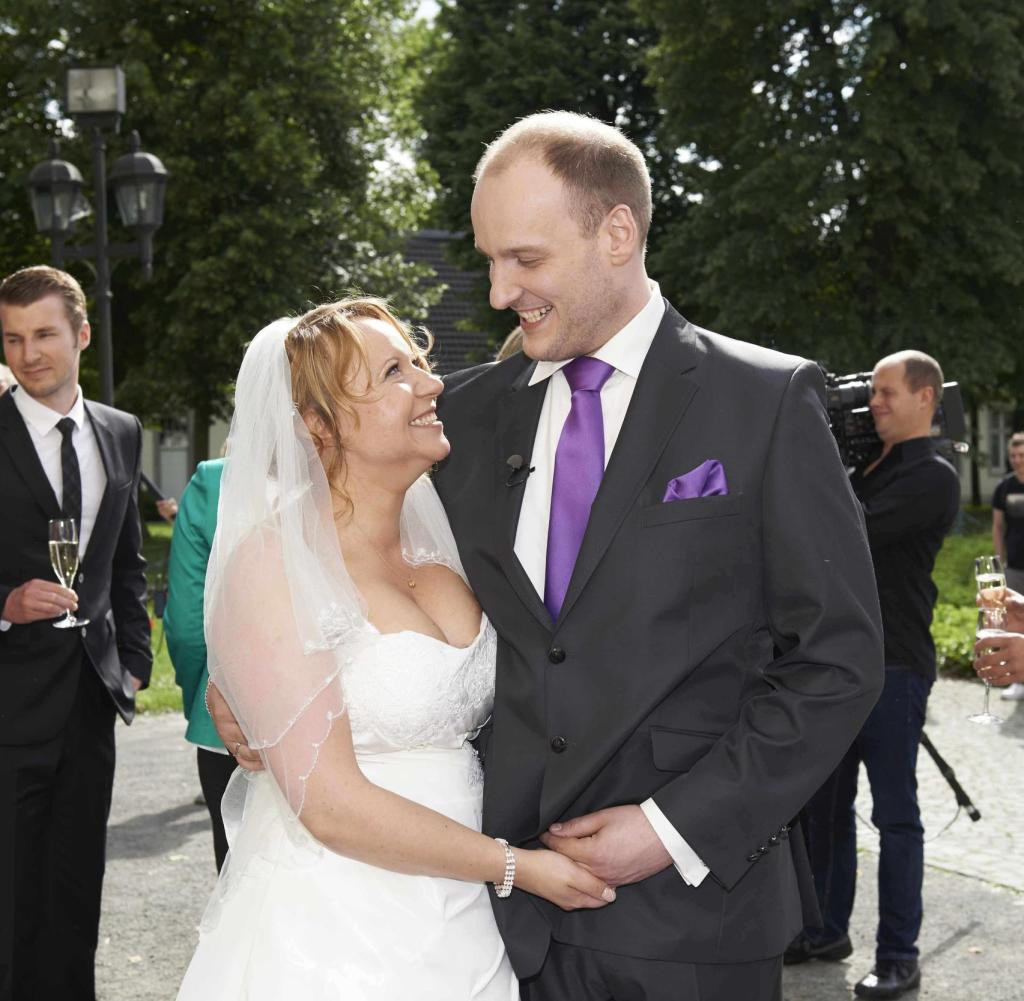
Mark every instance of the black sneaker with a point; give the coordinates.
(802, 949)
(890, 978)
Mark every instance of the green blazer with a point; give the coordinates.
(186, 577)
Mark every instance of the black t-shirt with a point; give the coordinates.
(1009, 498)
(910, 502)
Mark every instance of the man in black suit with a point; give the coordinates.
(689, 628)
(60, 689)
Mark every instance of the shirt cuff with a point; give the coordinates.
(4, 625)
(687, 862)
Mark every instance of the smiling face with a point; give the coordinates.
(899, 412)
(567, 289)
(42, 350)
(392, 434)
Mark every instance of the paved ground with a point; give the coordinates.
(161, 866)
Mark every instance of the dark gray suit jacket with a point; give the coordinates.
(39, 664)
(718, 654)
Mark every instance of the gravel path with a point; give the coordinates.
(160, 869)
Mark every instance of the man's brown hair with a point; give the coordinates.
(919, 370)
(598, 165)
(29, 285)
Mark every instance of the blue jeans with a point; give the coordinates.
(887, 744)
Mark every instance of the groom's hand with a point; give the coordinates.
(618, 844)
(230, 732)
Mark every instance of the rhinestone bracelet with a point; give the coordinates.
(505, 889)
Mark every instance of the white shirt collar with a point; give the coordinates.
(627, 349)
(41, 417)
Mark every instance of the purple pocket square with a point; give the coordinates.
(706, 480)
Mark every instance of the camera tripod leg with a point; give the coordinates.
(948, 774)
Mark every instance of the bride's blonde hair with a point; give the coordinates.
(327, 352)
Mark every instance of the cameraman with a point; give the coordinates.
(910, 496)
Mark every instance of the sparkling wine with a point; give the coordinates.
(987, 634)
(987, 581)
(64, 560)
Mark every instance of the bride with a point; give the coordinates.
(344, 636)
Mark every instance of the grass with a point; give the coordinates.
(162, 695)
(952, 630)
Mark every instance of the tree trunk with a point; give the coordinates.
(200, 436)
(975, 475)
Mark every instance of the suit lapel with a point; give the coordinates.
(518, 414)
(664, 390)
(15, 437)
(110, 456)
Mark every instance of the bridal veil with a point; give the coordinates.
(282, 614)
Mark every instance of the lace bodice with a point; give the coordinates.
(407, 690)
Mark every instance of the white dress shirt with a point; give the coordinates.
(626, 352)
(41, 422)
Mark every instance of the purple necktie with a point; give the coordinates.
(579, 466)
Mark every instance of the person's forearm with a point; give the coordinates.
(362, 821)
(998, 533)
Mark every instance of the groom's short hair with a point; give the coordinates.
(598, 165)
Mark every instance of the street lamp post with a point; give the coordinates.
(96, 100)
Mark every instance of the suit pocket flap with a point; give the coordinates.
(687, 510)
(679, 750)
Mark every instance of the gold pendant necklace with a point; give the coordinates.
(402, 577)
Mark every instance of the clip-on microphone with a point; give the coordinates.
(519, 471)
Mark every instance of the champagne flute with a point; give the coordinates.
(990, 623)
(990, 575)
(64, 560)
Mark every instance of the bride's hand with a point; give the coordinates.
(560, 880)
(229, 731)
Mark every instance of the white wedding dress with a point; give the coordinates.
(292, 920)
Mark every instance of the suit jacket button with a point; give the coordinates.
(559, 744)
(753, 858)
(556, 655)
(83, 632)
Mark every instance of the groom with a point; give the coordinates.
(656, 520)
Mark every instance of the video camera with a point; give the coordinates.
(847, 398)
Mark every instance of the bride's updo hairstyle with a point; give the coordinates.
(330, 370)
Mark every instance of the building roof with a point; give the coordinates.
(454, 348)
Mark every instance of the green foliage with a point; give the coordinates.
(494, 62)
(281, 125)
(853, 176)
(954, 569)
(955, 613)
(953, 632)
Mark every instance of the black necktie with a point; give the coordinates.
(72, 478)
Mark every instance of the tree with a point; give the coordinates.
(495, 62)
(274, 120)
(853, 176)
